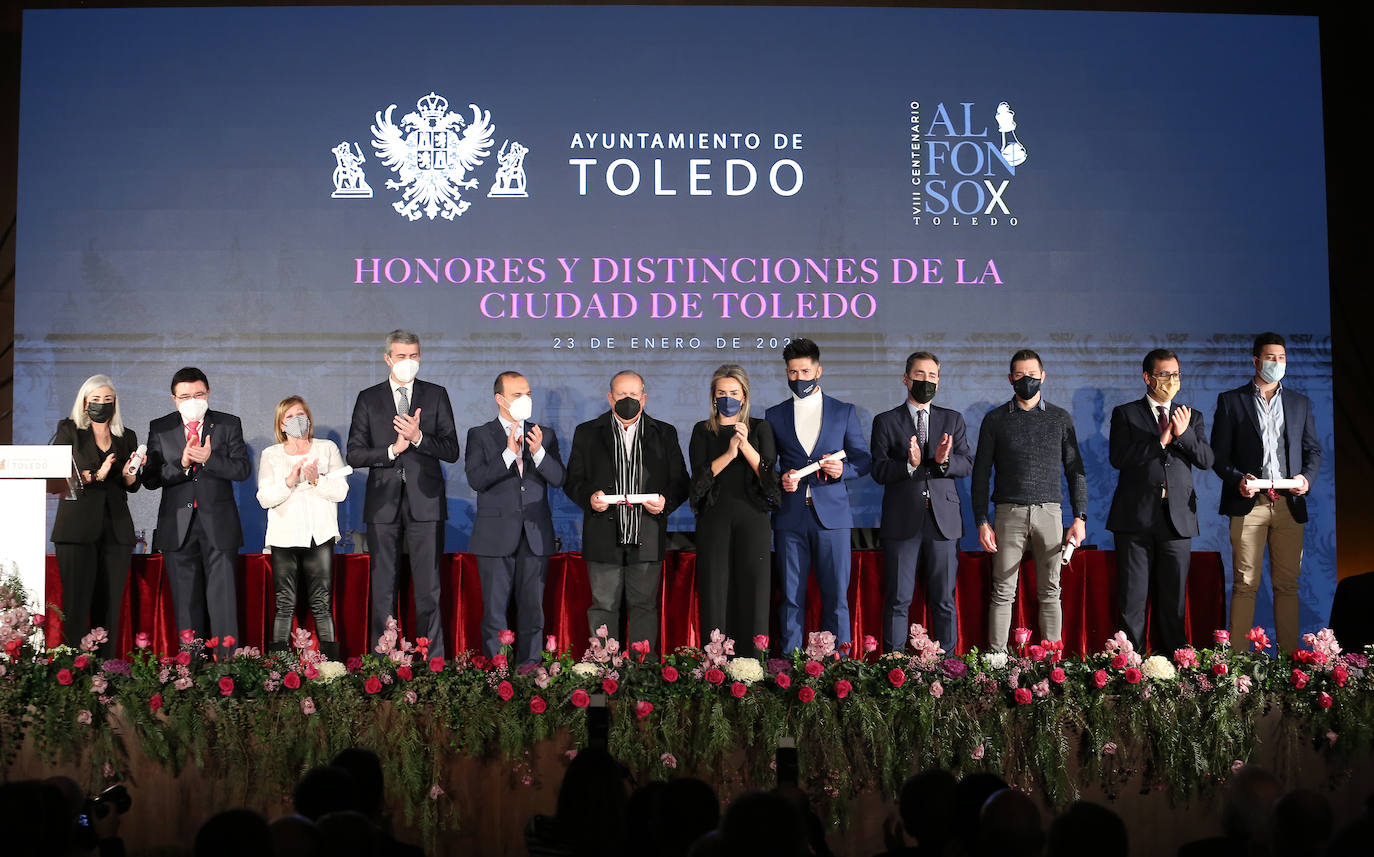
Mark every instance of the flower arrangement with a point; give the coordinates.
(861, 720)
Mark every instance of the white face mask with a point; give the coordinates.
(1272, 371)
(193, 409)
(520, 408)
(405, 370)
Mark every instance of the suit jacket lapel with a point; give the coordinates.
(1247, 398)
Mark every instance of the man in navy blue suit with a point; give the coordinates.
(401, 429)
(1265, 430)
(919, 449)
(1155, 442)
(512, 464)
(814, 519)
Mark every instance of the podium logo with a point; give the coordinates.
(962, 171)
(433, 154)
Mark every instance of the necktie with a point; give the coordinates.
(404, 407)
(193, 439)
(520, 452)
(1163, 425)
(922, 433)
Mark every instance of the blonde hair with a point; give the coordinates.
(736, 372)
(285, 405)
(93, 383)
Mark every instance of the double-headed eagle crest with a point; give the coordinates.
(432, 151)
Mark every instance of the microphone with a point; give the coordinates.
(137, 460)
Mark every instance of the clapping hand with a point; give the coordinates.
(1178, 423)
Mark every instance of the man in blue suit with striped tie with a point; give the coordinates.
(814, 520)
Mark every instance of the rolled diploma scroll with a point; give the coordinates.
(339, 473)
(633, 499)
(1276, 484)
(816, 465)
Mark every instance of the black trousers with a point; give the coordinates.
(519, 576)
(1155, 559)
(937, 558)
(423, 541)
(734, 572)
(308, 570)
(94, 575)
(204, 594)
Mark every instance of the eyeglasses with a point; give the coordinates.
(184, 397)
(1167, 376)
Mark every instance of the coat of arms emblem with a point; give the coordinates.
(432, 151)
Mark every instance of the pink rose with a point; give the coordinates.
(498, 661)
(311, 671)
(1220, 669)
(782, 680)
(1133, 675)
(505, 690)
(1100, 679)
(978, 752)
(355, 663)
(83, 717)
(507, 637)
(436, 665)
(404, 673)
(870, 643)
(188, 636)
(81, 661)
(1341, 674)
(1037, 653)
(814, 668)
(714, 675)
(308, 705)
(64, 676)
(669, 673)
(1300, 679)
(842, 688)
(806, 694)
(155, 702)
(580, 698)
(937, 690)
(226, 685)
(1324, 699)
(739, 689)
(643, 708)
(610, 686)
(1119, 662)
(183, 658)
(373, 684)
(1221, 637)
(550, 643)
(1022, 635)
(896, 677)
(538, 705)
(292, 680)
(1057, 675)
(1023, 696)
(761, 642)
(142, 640)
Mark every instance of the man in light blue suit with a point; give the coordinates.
(814, 519)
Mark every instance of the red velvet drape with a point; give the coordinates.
(1088, 595)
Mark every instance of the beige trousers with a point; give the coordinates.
(1269, 523)
(1016, 527)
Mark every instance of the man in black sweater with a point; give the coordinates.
(1027, 441)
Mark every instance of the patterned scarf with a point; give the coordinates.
(629, 476)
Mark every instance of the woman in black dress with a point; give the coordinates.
(735, 486)
(94, 535)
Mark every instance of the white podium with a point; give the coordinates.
(24, 472)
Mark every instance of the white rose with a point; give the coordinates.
(1158, 666)
(747, 670)
(997, 660)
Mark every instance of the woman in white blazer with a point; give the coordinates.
(300, 484)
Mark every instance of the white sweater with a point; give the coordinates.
(297, 515)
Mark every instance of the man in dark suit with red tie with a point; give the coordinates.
(512, 464)
(919, 449)
(195, 455)
(1155, 442)
(401, 429)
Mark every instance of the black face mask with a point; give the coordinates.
(100, 412)
(923, 391)
(803, 387)
(1026, 387)
(627, 408)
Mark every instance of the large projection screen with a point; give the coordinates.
(265, 192)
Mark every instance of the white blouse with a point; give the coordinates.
(297, 515)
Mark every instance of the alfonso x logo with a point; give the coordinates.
(431, 152)
(961, 170)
